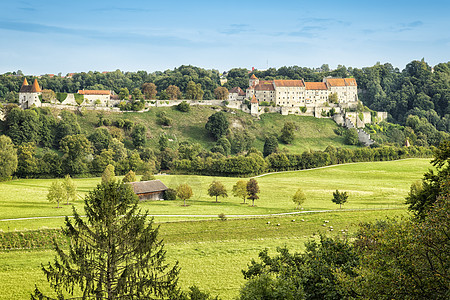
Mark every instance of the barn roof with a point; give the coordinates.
(151, 186)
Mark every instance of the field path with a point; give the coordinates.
(215, 216)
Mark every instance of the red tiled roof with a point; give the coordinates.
(253, 77)
(350, 81)
(254, 100)
(94, 92)
(316, 86)
(335, 81)
(289, 83)
(264, 85)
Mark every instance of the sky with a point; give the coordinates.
(53, 36)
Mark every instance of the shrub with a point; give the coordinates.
(170, 194)
(184, 107)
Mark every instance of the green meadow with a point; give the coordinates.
(211, 252)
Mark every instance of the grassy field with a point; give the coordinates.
(312, 133)
(370, 185)
(212, 253)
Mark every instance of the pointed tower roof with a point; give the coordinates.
(25, 82)
(254, 100)
(35, 88)
(253, 77)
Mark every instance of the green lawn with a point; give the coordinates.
(370, 185)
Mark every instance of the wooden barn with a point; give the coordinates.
(149, 190)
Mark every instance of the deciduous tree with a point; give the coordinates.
(129, 177)
(56, 192)
(221, 93)
(299, 198)
(217, 125)
(149, 89)
(8, 158)
(339, 198)
(108, 174)
(217, 189)
(184, 192)
(173, 92)
(288, 133)
(252, 190)
(240, 189)
(70, 189)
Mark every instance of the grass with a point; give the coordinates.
(209, 252)
(370, 185)
(312, 133)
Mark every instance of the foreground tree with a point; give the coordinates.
(114, 252)
(252, 190)
(299, 198)
(240, 189)
(8, 158)
(216, 189)
(184, 192)
(339, 198)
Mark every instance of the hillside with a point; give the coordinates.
(311, 133)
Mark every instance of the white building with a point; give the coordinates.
(96, 97)
(29, 94)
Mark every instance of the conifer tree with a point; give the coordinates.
(114, 253)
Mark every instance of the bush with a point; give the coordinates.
(184, 107)
(170, 194)
(61, 96)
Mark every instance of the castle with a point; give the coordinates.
(29, 94)
(298, 94)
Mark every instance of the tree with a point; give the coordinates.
(129, 177)
(173, 92)
(163, 142)
(252, 190)
(217, 125)
(221, 93)
(240, 189)
(339, 198)
(26, 158)
(351, 136)
(287, 132)
(108, 174)
(423, 195)
(75, 149)
(56, 192)
(100, 139)
(138, 135)
(194, 91)
(216, 189)
(299, 198)
(70, 189)
(48, 95)
(270, 145)
(137, 95)
(333, 98)
(114, 253)
(124, 94)
(147, 176)
(149, 90)
(184, 192)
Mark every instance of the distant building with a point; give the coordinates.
(149, 190)
(29, 94)
(236, 94)
(91, 96)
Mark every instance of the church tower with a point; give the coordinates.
(253, 81)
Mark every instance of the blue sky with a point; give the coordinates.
(52, 36)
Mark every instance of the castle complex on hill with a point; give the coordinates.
(298, 93)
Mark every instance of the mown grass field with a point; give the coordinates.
(212, 253)
(312, 133)
(370, 185)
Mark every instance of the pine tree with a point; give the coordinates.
(114, 253)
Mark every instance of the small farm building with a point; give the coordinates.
(149, 190)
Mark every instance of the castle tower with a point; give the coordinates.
(29, 94)
(253, 81)
(254, 106)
